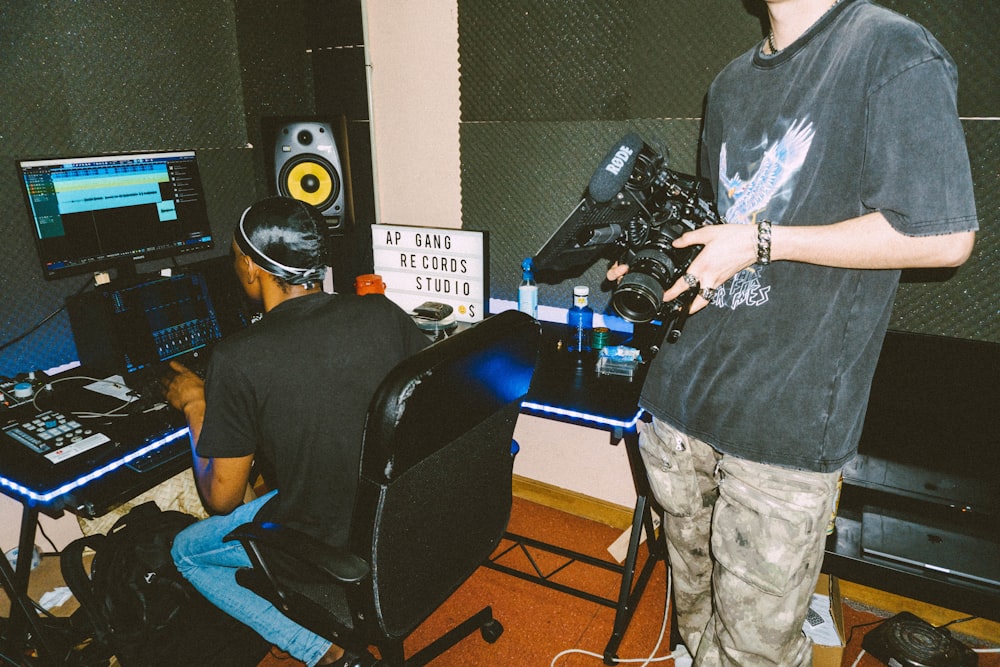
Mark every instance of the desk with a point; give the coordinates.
(88, 484)
(564, 390)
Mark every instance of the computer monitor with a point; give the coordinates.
(112, 211)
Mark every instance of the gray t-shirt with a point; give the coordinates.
(858, 115)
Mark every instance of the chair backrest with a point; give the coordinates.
(434, 494)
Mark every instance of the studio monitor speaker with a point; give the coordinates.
(307, 167)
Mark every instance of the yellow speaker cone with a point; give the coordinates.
(310, 182)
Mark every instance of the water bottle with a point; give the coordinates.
(581, 318)
(527, 291)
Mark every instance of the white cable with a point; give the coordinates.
(670, 655)
(975, 650)
(644, 661)
(86, 415)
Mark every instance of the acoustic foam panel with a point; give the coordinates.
(106, 77)
(548, 86)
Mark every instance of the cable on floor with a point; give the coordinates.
(644, 661)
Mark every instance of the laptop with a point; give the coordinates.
(954, 548)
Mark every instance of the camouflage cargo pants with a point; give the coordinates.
(745, 542)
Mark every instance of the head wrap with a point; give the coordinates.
(286, 227)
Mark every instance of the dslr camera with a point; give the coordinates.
(634, 209)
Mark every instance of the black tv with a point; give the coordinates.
(112, 211)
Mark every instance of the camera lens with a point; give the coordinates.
(639, 296)
(636, 302)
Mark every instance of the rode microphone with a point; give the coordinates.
(615, 169)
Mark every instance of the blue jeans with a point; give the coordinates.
(211, 564)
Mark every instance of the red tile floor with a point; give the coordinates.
(540, 623)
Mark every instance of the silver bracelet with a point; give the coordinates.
(764, 242)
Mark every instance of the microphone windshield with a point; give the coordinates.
(614, 171)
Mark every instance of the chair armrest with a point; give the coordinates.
(338, 563)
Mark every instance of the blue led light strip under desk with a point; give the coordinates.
(587, 417)
(37, 498)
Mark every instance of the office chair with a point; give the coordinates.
(433, 500)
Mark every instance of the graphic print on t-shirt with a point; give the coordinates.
(744, 199)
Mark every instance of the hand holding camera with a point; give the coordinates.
(637, 207)
(725, 251)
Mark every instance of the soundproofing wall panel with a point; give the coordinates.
(525, 190)
(97, 77)
(109, 77)
(337, 51)
(547, 87)
(276, 69)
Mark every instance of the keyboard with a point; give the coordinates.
(196, 362)
(147, 381)
(159, 456)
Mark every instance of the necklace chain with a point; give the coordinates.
(770, 43)
(770, 35)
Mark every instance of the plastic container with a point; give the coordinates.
(599, 337)
(369, 283)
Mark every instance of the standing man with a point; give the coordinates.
(291, 392)
(838, 158)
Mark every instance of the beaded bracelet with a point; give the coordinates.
(764, 242)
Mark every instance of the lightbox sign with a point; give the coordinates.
(419, 264)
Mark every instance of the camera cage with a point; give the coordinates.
(651, 196)
(632, 197)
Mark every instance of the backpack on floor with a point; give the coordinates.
(136, 606)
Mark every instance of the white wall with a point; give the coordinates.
(62, 531)
(412, 48)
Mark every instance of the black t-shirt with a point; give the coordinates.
(858, 115)
(294, 389)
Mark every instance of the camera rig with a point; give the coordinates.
(633, 210)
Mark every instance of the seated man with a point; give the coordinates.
(291, 391)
